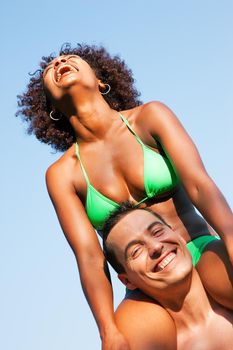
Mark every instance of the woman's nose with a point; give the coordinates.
(58, 61)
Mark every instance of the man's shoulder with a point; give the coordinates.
(146, 324)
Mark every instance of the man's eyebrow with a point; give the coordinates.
(154, 223)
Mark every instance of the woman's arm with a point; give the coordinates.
(85, 245)
(203, 192)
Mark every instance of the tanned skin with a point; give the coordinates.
(113, 160)
(156, 261)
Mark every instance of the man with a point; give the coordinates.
(148, 256)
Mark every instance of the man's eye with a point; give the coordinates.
(157, 232)
(135, 252)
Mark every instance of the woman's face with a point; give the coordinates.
(66, 75)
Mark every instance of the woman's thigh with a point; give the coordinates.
(216, 272)
(145, 324)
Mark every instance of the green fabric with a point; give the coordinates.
(159, 177)
(197, 245)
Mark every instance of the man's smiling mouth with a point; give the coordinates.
(164, 262)
(63, 71)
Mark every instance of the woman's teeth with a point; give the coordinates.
(58, 77)
(64, 70)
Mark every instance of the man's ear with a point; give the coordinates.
(124, 279)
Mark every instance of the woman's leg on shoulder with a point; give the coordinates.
(145, 324)
(216, 273)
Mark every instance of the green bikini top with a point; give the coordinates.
(159, 177)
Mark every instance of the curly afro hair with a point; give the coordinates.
(35, 107)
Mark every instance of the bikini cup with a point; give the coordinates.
(159, 177)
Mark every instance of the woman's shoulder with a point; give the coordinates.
(153, 108)
(148, 117)
(62, 167)
(146, 110)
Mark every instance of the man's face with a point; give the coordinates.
(154, 257)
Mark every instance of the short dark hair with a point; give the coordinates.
(124, 209)
(34, 106)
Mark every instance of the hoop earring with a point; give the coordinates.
(106, 92)
(51, 116)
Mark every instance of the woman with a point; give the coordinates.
(141, 154)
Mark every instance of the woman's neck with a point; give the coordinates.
(91, 118)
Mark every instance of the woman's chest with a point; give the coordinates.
(115, 169)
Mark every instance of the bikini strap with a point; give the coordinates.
(81, 164)
(141, 201)
(130, 128)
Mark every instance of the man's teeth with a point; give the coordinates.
(162, 264)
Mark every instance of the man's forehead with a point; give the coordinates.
(132, 225)
(137, 219)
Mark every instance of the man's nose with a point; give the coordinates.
(155, 249)
(58, 61)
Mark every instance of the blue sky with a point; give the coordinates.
(181, 53)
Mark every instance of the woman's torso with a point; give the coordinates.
(114, 167)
